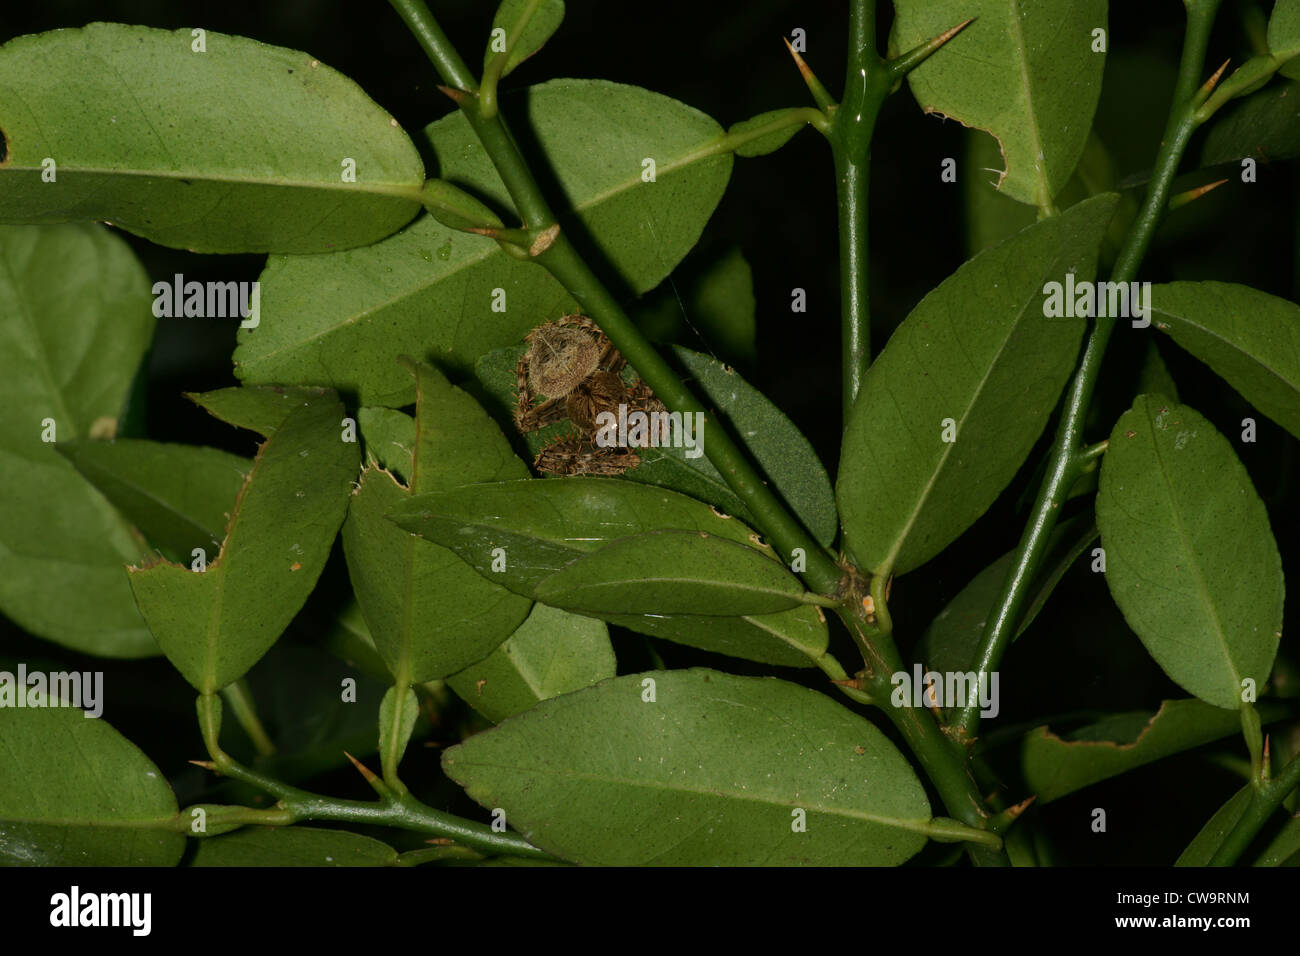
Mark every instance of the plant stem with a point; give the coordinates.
(1263, 803)
(1064, 459)
(561, 259)
(866, 84)
(394, 809)
(240, 699)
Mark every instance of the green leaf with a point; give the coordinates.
(524, 36)
(772, 440)
(1055, 766)
(1284, 34)
(77, 324)
(712, 295)
(180, 496)
(710, 771)
(397, 713)
(293, 846)
(1283, 849)
(1155, 378)
(428, 292)
(388, 437)
(770, 142)
(552, 653)
(261, 409)
(430, 613)
(1249, 338)
(241, 148)
(673, 572)
(951, 643)
(542, 525)
(1190, 557)
(75, 792)
(216, 624)
(1024, 72)
(1216, 830)
(1263, 126)
(977, 354)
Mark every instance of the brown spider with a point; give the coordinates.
(573, 369)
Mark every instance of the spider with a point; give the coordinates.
(574, 369)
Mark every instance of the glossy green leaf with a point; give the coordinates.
(241, 148)
(1026, 72)
(1264, 126)
(713, 770)
(1284, 34)
(951, 643)
(1054, 766)
(1249, 338)
(215, 624)
(428, 292)
(1155, 378)
(1284, 848)
(293, 846)
(527, 25)
(75, 792)
(673, 572)
(1190, 557)
(262, 409)
(773, 441)
(541, 526)
(430, 613)
(713, 295)
(179, 496)
(976, 355)
(76, 324)
(552, 653)
(1211, 836)
(771, 142)
(397, 713)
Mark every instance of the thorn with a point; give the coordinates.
(819, 93)
(441, 841)
(854, 683)
(909, 61)
(365, 771)
(1182, 199)
(1213, 81)
(205, 764)
(1265, 763)
(488, 231)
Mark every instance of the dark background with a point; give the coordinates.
(727, 59)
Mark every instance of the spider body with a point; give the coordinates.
(571, 370)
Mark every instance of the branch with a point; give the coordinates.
(558, 256)
(1067, 456)
(1263, 803)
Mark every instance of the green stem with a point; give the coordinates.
(240, 699)
(867, 82)
(1262, 805)
(393, 809)
(558, 256)
(1064, 460)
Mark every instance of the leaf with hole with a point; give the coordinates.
(1028, 73)
(216, 623)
